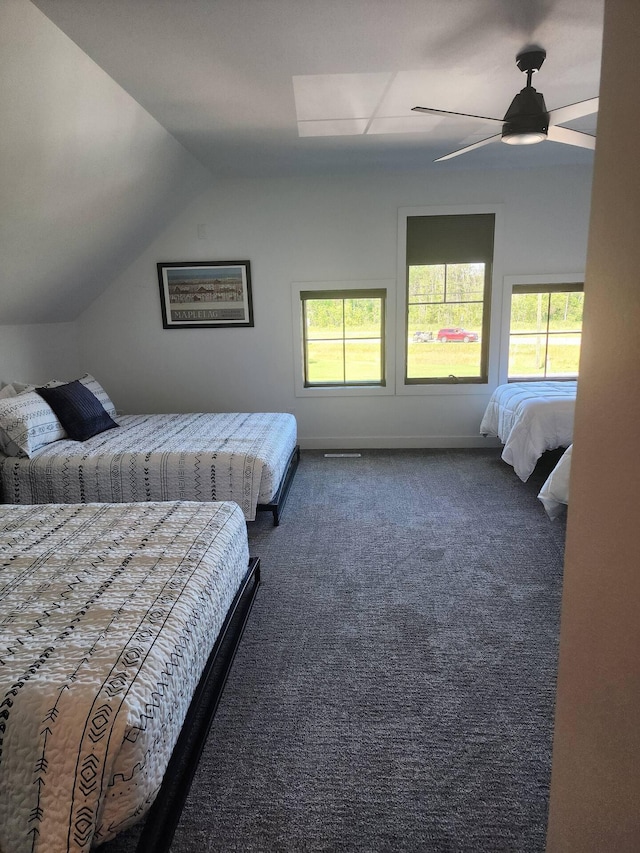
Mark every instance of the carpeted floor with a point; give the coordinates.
(394, 688)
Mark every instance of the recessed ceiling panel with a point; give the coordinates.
(404, 124)
(333, 127)
(331, 96)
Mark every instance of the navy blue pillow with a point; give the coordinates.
(78, 410)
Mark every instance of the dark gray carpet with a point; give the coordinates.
(394, 689)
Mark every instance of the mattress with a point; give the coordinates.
(554, 493)
(530, 418)
(108, 614)
(197, 457)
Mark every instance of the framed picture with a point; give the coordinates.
(199, 294)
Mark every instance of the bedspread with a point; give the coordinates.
(108, 614)
(201, 457)
(529, 418)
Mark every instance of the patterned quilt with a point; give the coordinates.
(529, 418)
(196, 457)
(108, 614)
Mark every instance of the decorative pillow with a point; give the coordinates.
(7, 391)
(27, 423)
(79, 410)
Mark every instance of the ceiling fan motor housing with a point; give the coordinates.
(527, 119)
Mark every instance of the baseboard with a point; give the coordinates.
(395, 442)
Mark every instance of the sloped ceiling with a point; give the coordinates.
(119, 111)
(88, 176)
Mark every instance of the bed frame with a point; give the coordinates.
(280, 498)
(162, 819)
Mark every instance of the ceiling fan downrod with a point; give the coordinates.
(527, 120)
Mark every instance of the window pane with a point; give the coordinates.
(527, 356)
(428, 357)
(362, 361)
(426, 283)
(465, 282)
(362, 318)
(343, 339)
(529, 312)
(325, 362)
(563, 356)
(566, 312)
(441, 361)
(324, 318)
(545, 334)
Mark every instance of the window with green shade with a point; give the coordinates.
(545, 331)
(449, 267)
(343, 335)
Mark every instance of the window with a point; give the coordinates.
(545, 331)
(448, 290)
(343, 333)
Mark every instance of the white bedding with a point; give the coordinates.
(554, 494)
(529, 418)
(200, 457)
(107, 616)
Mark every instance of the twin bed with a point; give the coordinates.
(125, 585)
(531, 418)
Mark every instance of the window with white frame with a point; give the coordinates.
(545, 332)
(448, 293)
(343, 337)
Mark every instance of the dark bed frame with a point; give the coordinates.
(162, 819)
(280, 498)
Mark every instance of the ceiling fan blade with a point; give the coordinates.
(449, 113)
(571, 137)
(582, 108)
(468, 148)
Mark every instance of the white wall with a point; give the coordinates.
(329, 229)
(36, 353)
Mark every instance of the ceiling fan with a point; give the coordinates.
(527, 120)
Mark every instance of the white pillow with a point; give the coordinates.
(26, 424)
(7, 391)
(96, 388)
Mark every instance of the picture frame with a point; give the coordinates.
(203, 294)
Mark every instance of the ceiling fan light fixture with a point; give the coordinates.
(524, 138)
(527, 120)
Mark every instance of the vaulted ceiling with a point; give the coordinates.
(272, 87)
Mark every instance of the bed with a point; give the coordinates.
(108, 616)
(249, 458)
(554, 493)
(530, 418)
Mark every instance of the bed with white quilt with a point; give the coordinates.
(554, 493)
(108, 615)
(249, 458)
(530, 418)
